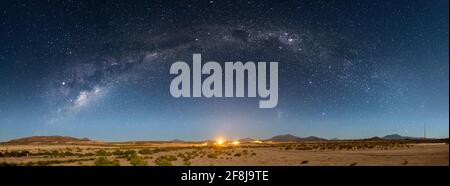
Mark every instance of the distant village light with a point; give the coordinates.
(220, 141)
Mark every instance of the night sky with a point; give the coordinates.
(100, 69)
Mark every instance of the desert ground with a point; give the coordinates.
(329, 153)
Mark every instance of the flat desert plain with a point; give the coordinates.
(329, 153)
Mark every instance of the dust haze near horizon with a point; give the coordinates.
(346, 70)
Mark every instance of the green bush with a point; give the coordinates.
(16, 153)
(102, 152)
(165, 160)
(68, 153)
(89, 154)
(44, 163)
(187, 163)
(4, 164)
(135, 160)
(162, 161)
(103, 161)
(212, 155)
(145, 151)
(172, 158)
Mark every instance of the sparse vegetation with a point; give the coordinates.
(103, 161)
(145, 151)
(135, 160)
(45, 163)
(21, 153)
(187, 163)
(165, 160)
(124, 153)
(139, 155)
(102, 152)
(212, 155)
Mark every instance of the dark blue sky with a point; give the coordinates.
(100, 69)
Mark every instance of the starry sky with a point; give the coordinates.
(100, 69)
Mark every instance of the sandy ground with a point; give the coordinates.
(428, 154)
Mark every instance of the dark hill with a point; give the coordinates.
(246, 140)
(289, 137)
(396, 137)
(47, 139)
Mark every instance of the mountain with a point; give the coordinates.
(284, 138)
(277, 138)
(376, 138)
(246, 140)
(392, 137)
(398, 137)
(313, 138)
(289, 137)
(47, 139)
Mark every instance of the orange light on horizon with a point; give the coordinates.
(257, 141)
(220, 142)
(235, 142)
(202, 145)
